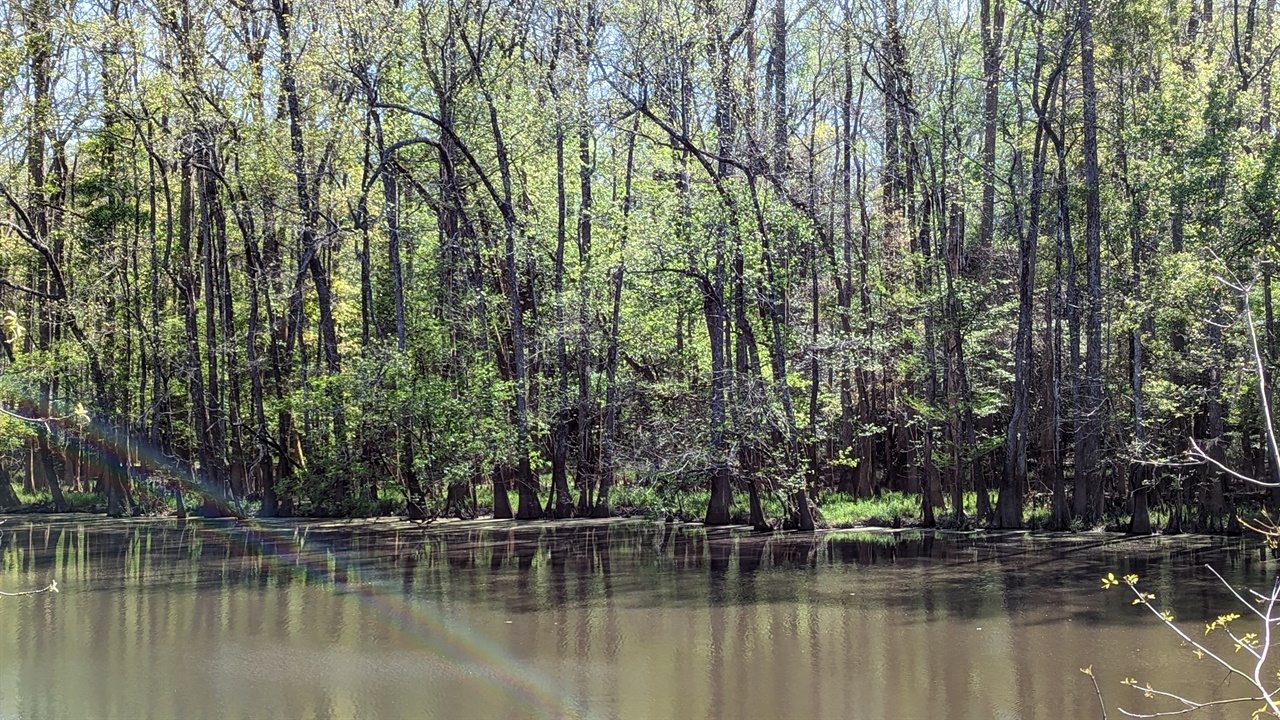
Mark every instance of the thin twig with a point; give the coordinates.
(1198, 452)
(1097, 690)
(1192, 705)
(1237, 595)
(1266, 645)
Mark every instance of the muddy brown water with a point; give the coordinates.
(621, 619)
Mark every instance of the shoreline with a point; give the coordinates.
(392, 523)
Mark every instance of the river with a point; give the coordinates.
(612, 619)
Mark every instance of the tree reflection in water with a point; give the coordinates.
(596, 619)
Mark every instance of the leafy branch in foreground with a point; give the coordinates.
(1257, 670)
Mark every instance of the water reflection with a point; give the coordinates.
(161, 619)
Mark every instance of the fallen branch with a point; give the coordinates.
(52, 587)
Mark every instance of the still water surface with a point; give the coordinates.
(157, 619)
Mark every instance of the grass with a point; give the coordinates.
(887, 508)
(638, 500)
(651, 502)
(76, 501)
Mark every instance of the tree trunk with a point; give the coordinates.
(8, 498)
(992, 19)
(586, 418)
(310, 249)
(964, 440)
(607, 470)
(1017, 436)
(40, 20)
(560, 422)
(852, 462)
(713, 309)
(212, 223)
(1090, 428)
(1060, 510)
(501, 503)
(201, 457)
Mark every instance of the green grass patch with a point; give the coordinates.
(654, 502)
(76, 501)
(888, 508)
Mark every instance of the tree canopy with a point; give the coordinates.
(346, 258)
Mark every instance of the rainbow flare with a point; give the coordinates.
(526, 687)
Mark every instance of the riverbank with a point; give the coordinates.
(834, 511)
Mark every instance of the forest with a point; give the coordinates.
(747, 259)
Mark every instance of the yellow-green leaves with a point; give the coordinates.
(1247, 640)
(1110, 581)
(12, 329)
(1147, 690)
(1221, 622)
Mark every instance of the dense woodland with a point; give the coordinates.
(332, 257)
